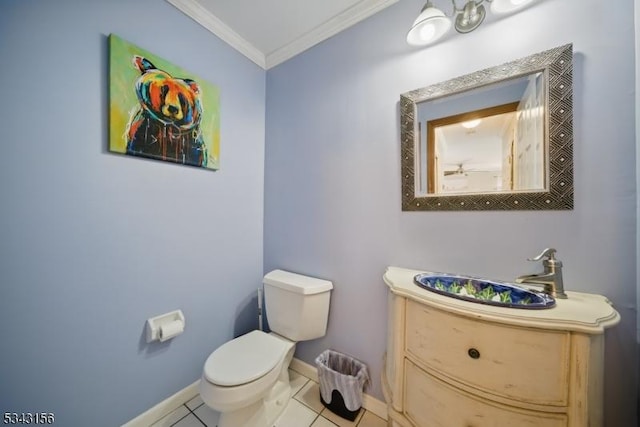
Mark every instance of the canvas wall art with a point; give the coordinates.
(160, 111)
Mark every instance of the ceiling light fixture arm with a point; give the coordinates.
(470, 16)
(457, 9)
(433, 23)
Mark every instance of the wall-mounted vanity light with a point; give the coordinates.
(433, 23)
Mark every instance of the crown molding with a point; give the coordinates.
(202, 16)
(340, 22)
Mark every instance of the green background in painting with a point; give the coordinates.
(123, 101)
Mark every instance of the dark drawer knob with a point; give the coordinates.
(473, 353)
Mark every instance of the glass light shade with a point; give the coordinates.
(430, 25)
(471, 123)
(506, 6)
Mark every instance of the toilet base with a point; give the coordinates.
(255, 404)
(264, 412)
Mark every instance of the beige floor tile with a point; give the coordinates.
(296, 415)
(322, 422)
(310, 396)
(369, 419)
(190, 421)
(338, 420)
(194, 403)
(207, 415)
(172, 418)
(297, 381)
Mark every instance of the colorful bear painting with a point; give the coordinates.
(160, 111)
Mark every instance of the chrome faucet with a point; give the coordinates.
(551, 278)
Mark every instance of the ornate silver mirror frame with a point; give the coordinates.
(557, 66)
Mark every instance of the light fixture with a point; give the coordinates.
(506, 6)
(471, 123)
(433, 23)
(429, 26)
(470, 17)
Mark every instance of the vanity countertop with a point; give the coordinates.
(580, 312)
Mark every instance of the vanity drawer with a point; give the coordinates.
(531, 365)
(431, 403)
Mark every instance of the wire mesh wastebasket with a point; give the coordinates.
(342, 381)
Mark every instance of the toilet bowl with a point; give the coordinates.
(247, 378)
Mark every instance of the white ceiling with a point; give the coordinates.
(271, 31)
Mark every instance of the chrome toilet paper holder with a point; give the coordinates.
(167, 321)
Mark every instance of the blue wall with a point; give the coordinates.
(637, 122)
(332, 181)
(73, 304)
(94, 243)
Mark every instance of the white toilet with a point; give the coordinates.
(247, 378)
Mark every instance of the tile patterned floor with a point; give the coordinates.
(303, 410)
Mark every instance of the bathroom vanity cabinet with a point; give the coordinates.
(453, 363)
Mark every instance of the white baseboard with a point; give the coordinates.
(304, 368)
(165, 407)
(369, 403)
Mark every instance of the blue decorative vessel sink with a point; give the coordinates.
(484, 291)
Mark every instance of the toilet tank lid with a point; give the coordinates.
(298, 283)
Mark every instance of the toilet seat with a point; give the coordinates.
(244, 359)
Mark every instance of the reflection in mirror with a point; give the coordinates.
(493, 148)
(500, 138)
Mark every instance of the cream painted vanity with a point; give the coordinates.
(453, 363)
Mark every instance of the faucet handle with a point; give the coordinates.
(547, 253)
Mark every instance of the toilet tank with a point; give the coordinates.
(297, 306)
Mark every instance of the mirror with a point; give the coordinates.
(497, 146)
(497, 139)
